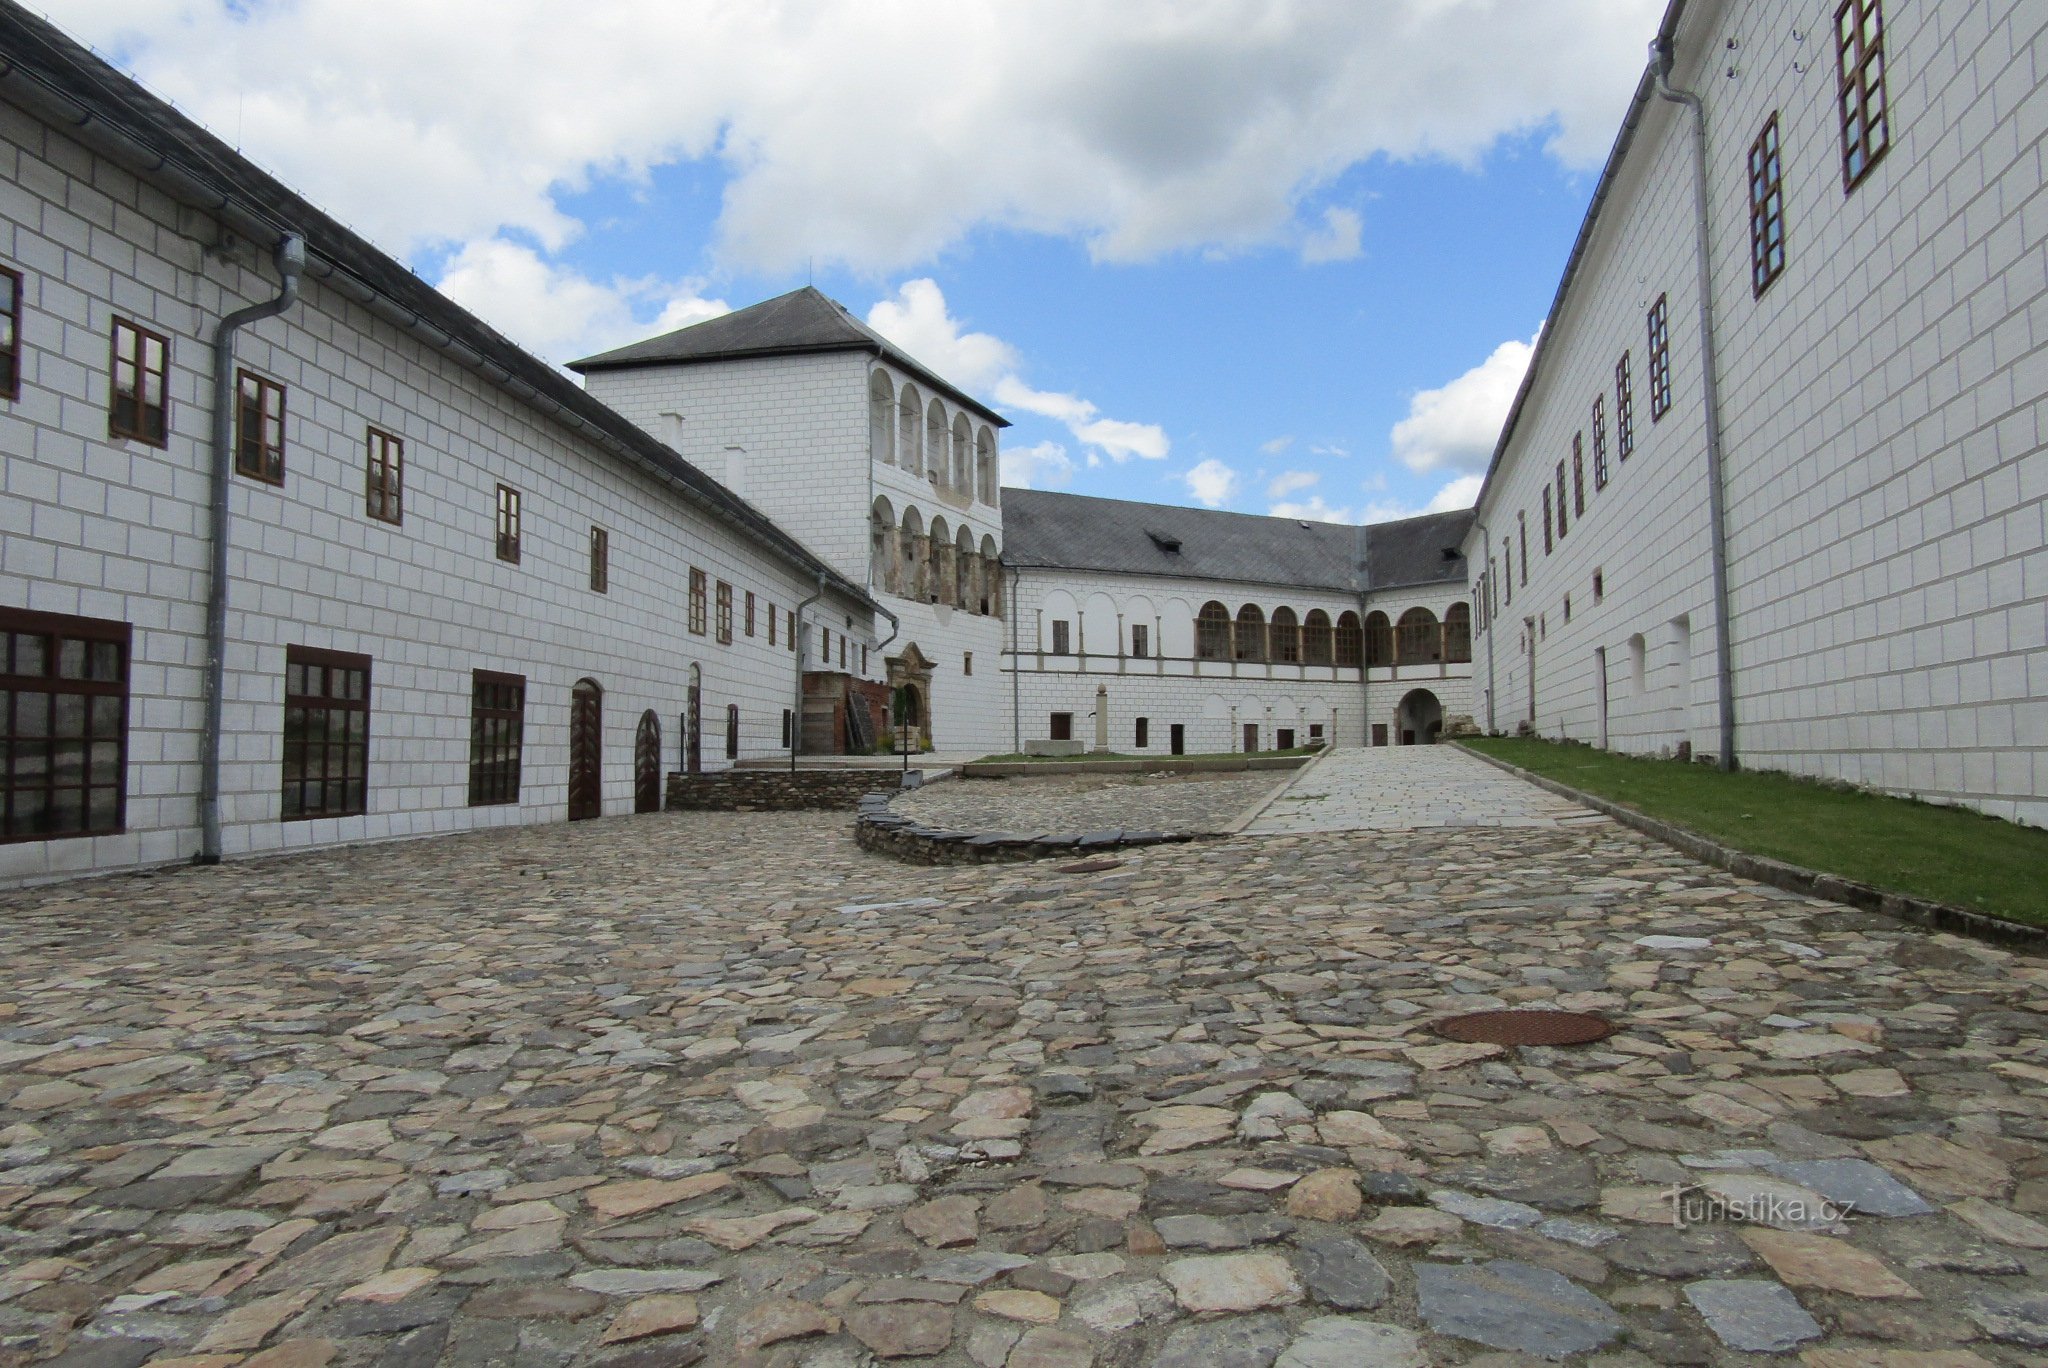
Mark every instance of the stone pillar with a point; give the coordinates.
(1101, 719)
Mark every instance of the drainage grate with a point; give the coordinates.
(1526, 1028)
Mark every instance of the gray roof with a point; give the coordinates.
(1076, 532)
(45, 70)
(800, 323)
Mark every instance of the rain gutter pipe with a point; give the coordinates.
(291, 261)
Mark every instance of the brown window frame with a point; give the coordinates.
(130, 417)
(724, 613)
(497, 736)
(1658, 325)
(1624, 409)
(1578, 475)
(267, 465)
(1141, 641)
(600, 560)
(1062, 637)
(1859, 71)
(1522, 526)
(10, 334)
(749, 620)
(384, 476)
(1141, 734)
(1766, 209)
(789, 621)
(773, 614)
(1563, 523)
(700, 595)
(508, 524)
(1599, 441)
(67, 664)
(1548, 526)
(307, 659)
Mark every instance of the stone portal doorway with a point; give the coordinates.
(910, 697)
(1420, 718)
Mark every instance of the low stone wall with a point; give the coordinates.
(887, 833)
(778, 790)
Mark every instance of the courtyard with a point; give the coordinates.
(712, 1087)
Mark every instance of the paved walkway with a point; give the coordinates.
(645, 1091)
(1036, 804)
(1409, 788)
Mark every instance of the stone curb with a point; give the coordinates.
(1961, 921)
(884, 832)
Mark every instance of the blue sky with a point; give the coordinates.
(1271, 257)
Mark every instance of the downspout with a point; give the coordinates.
(291, 260)
(803, 647)
(1486, 607)
(1016, 670)
(1724, 668)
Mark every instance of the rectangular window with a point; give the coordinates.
(1062, 726)
(1567, 607)
(824, 645)
(864, 660)
(1599, 585)
(1599, 441)
(1141, 736)
(1283, 738)
(750, 612)
(1548, 526)
(1061, 644)
(497, 735)
(141, 405)
(1578, 476)
(600, 560)
(966, 661)
(788, 722)
(1624, 409)
(1660, 358)
(384, 485)
(259, 428)
(699, 606)
(10, 334)
(772, 615)
(724, 613)
(1522, 523)
(1315, 731)
(842, 651)
(326, 733)
(1766, 209)
(63, 725)
(790, 623)
(1561, 520)
(508, 524)
(1141, 640)
(1859, 69)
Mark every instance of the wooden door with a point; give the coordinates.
(1251, 737)
(693, 727)
(586, 750)
(647, 764)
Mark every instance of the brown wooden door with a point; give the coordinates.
(647, 764)
(1251, 737)
(586, 750)
(693, 727)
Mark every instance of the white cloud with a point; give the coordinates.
(1115, 438)
(1045, 465)
(1315, 510)
(558, 313)
(1212, 483)
(1292, 481)
(876, 135)
(1335, 239)
(1455, 427)
(1276, 445)
(916, 320)
(1461, 492)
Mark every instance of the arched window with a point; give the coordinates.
(1286, 637)
(881, 415)
(991, 578)
(1458, 634)
(911, 568)
(1251, 633)
(1212, 632)
(1379, 640)
(1418, 640)
(1349, 641)
(987, 472)
(935, 442)
(882, 548)
(966, 592)
(1315, 637)
(909, 426)
(963, 449)
(939, 580)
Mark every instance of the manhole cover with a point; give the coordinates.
(1091, 866)
(1526, 1028)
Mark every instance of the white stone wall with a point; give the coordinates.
(1884, 407)
(118, 530)
(1212, 699)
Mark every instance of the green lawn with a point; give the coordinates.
(1951, 855)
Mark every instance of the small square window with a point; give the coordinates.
(384, 480)
(141, 405)
(259, 428)
(508, 524)
(600, 560)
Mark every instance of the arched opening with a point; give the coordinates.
(909, 431)
(1251, 633)
(647, 764)
(991, 578)
(963, 447)
(987, 471)
(881, 415)
(910, 558)
(1286, 637)
(966, 572)
(1212, 632)
(939, 579)
(1350, 642)
(1379, 639)
(905, 707)
(1420, 718)
(935, 442)
(1458, 634)
(882, 547)
(1315, 637)
(1418, 640)
(586, 750)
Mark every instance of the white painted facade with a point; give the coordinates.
(118, 530)
(1884, 409)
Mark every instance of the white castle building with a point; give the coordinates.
(1774, 490)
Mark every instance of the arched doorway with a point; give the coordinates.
(693, 724)
(647, 764)
(910, 697)
(586, 750)
(1420, 717)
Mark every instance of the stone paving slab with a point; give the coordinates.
(1411, 788)
(1183, 803)
(723, 1088)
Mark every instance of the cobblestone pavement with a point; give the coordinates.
(1406, 788)
(1081, 802)
(649, 1090)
